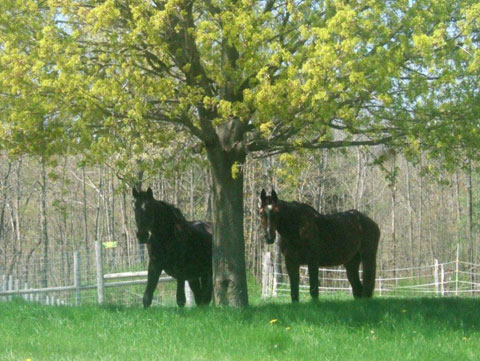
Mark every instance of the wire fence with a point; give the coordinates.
(455, 278)
(80, 277)
(108, 275)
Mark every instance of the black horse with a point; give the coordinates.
(313, 239)
(180, 248)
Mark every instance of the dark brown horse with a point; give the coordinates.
(180, 248)
(316, 240)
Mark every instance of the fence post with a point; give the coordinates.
(188, 295)
(99, 263)
(435, 275)
(266, 270)
(274, 281)
(3, 285)
(456, 270)
(76, 277)
(18, 286)
(10, 286)
(25, 295)
(442, 280)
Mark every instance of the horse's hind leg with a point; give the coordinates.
(352, 267)
(369, 268)
(154, 271)
(294, 275)
(181, 299)
(313, 276)
(207, 288)
(369, 255)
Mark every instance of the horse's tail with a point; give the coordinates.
(368, 252)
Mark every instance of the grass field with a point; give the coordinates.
(335, 328)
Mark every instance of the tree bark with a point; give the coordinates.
(229, 272)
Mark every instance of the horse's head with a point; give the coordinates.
(143, 213)
(268, 209)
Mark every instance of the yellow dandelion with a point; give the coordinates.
(372, 332)
(273, 321)
(288, 328)
(465, 338)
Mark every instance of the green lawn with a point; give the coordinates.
(335, 328)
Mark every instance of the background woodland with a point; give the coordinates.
(55, 208)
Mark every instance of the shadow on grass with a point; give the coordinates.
(444, 313)
(451, 313)
(428, 313)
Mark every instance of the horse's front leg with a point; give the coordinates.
(181, 299)
(293, 274)
(313, 276)
(207, 288)
(154, 271)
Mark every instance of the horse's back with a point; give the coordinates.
(366, 227)
(371, 233)
(342, 235)
(203, 227)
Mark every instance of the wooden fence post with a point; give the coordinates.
(10, 286)
(275, 278)
(266, 274)
(442, 280)
(456, 270)
(25, 295)
(77, 277)
(188, 295)
(3, 285)
(99, 263)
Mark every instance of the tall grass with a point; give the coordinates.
(335, 328)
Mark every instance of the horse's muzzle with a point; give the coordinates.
(270, 240)
(142, 237)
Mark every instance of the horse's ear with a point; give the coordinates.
(134, 192)
(274, 196)
(149, 193)
(263, 197)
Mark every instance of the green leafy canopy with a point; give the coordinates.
(136, 78)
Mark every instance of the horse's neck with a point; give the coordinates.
(287, 218)
(170, 220)
(163, 224)
(291, 215)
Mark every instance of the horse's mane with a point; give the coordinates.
(301, 206)
(177, 214)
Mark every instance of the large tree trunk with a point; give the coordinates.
(229, 272)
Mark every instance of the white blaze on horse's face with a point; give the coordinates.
(269, 220)
(142, 219)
